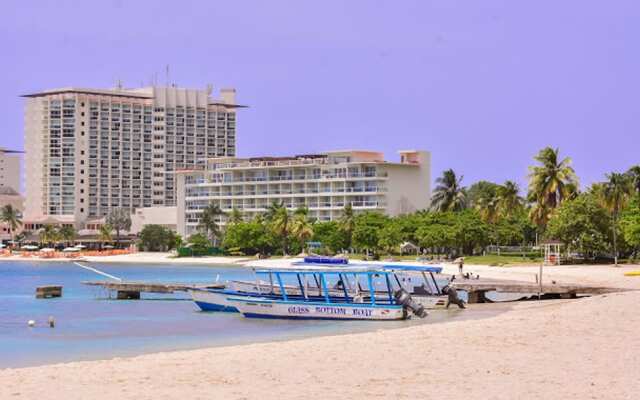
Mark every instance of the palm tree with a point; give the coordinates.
(280, 221)
(301, 227)
(449, 194)
(488, 208)
(10, 217)
(49, 234)
(209, 222)
(551, 182)
(120, 220)
(348, 223)
(105, 233)
(509, 201)
(615, 195)
(634, 173)
(235, 216)
(67, 234)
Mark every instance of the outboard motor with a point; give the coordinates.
(404, 298)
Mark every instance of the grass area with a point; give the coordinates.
(496, 260)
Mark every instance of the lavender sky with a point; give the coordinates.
(483, 85)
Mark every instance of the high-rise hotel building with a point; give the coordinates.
(324, 183)
(89, 151)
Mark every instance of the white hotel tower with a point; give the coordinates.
(324, 183)
(90, 150)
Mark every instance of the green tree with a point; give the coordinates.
(615, 195)
(331, 235)
(449, 195)
(366, 232)
(437, 231)
(67, 234)
(470, 231)
(630, 224)
(157, 238)
(120, 220)
(634, 174)
(347, 224)
(301, 228)
(49, 234)
(390, 236)
(550, 182)
(104, 234)
(209, 222)
(582, 225)
(279, 220)
(479, 191)
(199, 244)
(508, 199)
(12, 218)
(234, 217)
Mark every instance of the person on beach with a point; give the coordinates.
(452, 297)
(460, 262)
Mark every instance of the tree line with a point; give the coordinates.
(601, 221)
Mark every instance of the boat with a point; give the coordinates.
(341, 294)
(418, 280)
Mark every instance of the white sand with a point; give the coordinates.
(579, 349)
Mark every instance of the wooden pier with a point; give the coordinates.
(477, 289)
(48, 292)
(132, 290)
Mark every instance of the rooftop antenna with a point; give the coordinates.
(119, 84)
(167, 76)
(209, 89)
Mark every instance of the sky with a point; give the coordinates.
(483, 85)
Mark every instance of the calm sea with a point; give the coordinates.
(89, 325)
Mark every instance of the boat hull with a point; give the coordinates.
(252, 307)
(209, 300)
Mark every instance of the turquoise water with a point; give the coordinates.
(89, 325)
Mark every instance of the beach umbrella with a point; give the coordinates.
(47, 250)
(80, 246)
(30, 247)
(107, 247)
(2, 246)
(70, 249)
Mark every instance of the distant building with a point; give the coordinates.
(10, 169)
(324, 183)
(90, 150)
(9, 196)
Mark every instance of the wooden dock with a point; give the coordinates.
(477, 289)
(132, 290)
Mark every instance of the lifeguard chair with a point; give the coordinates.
(552, 253)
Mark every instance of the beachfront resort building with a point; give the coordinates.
(89, 151)
(10, 169)
(324, 183)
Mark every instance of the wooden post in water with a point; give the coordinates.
(48, 292)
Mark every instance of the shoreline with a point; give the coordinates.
(531, 350)
(528, 357)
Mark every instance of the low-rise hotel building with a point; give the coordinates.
(10, 169)
(324, 183)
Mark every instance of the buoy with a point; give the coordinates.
(31, 323)
(52, 322)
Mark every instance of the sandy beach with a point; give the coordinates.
(566, 349)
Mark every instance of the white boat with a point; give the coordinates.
(346, 300)
(257, 307)
(418, 280)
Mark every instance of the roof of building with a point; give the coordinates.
(8, 191)
(103, 92)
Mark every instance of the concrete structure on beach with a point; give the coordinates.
(91, 150)
(324, 183)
